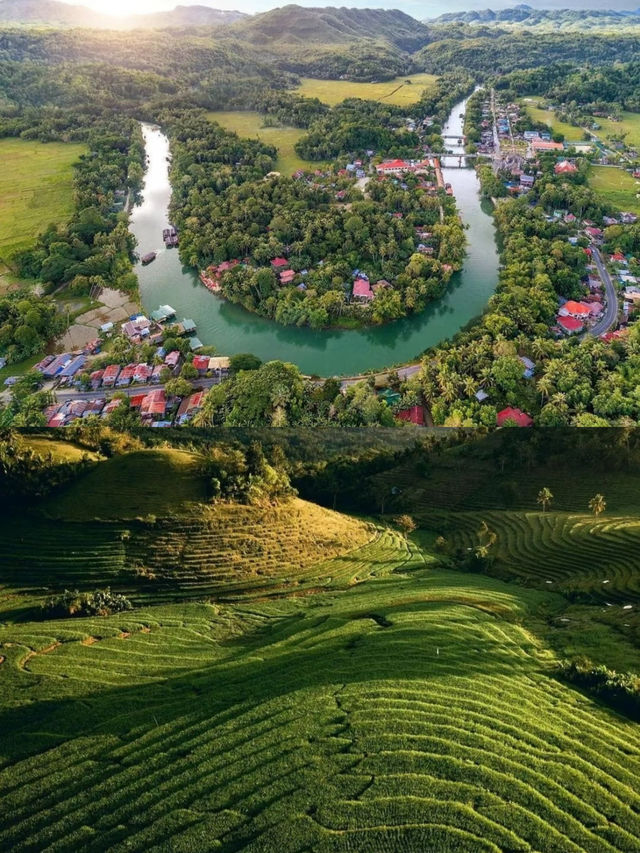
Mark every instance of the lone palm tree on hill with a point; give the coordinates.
(597, 504)
(545, 497)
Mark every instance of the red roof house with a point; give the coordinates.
(546, 145)
(414, 415)
(570, 325)
(565, 168)
(574, 309)
(155, 403)
(520, 418)
(362, 289)
(110, 374)
(279, 263)
(201, 363)
(287, 276)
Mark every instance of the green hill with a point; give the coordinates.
(410, 712)
(294, 678)
(300, 26)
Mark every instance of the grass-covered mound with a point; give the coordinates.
(415, 711)
(132, 485)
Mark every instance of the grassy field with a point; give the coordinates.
(250, 124)
(616, 186)
(296, 679)
(571, 133)
(395, 91)
(35, 189)
(629, 125)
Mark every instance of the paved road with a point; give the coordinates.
(610, 313)
(69, 394)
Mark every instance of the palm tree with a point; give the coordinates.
(597, 504)
(545, 497)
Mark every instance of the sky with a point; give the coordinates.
(420, 10)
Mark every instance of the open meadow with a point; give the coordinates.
(35, 190)
(250, 124)
(293, 678)
(629, 126)
(548, 117)
(401, 91)
(616, 186)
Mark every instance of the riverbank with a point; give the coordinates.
(331, 352)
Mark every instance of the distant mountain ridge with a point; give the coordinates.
(52, 13)
(330, 25)
(526, 16)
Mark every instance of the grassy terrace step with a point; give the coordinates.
(412, 712)
(575, 553)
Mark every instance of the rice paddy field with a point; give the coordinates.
(250, 124)
(35, 190)
(616, 186)
(296, 679)
(401, 91)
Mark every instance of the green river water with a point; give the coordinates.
(326, 352)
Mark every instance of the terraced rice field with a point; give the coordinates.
(574, 553)
(412, 711)
(220, 551)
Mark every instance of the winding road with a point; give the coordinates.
(610, 313)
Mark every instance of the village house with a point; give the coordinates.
(142, 373)
(571, 308)
(154, 404)
(220, 364)
(55, 367)
(110, 375)
(279, 264)
(137, 327)
(516, 416)
(413, 415)
(362, 289)
(570, 325)
(545, 145)
(287, 277)
(172, 359)
(125, 376)
(201, 363)
(189, 407)
(565, 167)
(155, 373)
(110, 407)
(96, 379)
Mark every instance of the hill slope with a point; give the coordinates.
(301, 26)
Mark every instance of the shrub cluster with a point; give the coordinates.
(100, 602)
(621, 690)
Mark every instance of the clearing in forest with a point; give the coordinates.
(35, 190)
(401, 91)
(251, 124)
(616, 186)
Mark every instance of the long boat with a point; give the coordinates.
(146, 259)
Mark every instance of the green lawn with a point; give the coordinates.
(35, 190)
(395, 91)
(250, 124)
(571, 133)
(616, 186)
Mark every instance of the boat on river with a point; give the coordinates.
(148, 258)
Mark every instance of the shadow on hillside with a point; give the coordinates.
(395, 644)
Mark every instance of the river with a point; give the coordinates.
(325, 352)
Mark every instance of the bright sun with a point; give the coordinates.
(126, 7)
